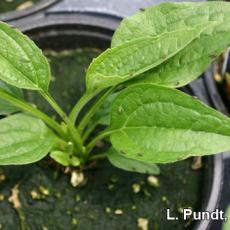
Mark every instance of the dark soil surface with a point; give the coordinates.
(109, 190)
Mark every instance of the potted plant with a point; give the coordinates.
(64, 152)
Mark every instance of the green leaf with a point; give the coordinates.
(227, 224)
(168, 17)
(60, 157)
(22, 62)
(64, 158)
(23, 140)
(133, 58)
(5, 107)
(157, 124)
(190, 62)
(131, 165)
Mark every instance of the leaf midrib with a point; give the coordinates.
(124, 127)
(25, 76)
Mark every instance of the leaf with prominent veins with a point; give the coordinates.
(133, 58)
(22, 62)
(156, 124)
(169, 17)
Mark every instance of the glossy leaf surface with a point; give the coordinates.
(159, 125)
(22, 62)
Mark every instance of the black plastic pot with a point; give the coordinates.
(215, 178)
(213, 93)
(219, 104)
(13, 15)
(90, 29)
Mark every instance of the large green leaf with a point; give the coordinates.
(132, 58)
(194, 58)
(23, 140)
(127, 164)
(168, 17)
(22, 63)
(158, 125)
(5, 107)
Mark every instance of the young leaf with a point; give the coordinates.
(131, 165)
(23, 140)
(130, 59)
(158, 20)
(157, 124)
(60, 157)
(22, 62)
(5, 107)
(64, 158)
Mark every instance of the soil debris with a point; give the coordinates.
(77, 179)
(14, 199)
(78, 198)
(44, 191)
(134, 207)
(74, 221)
(2, 178)
(2, 197)
(25, 5)
(136, 188)
(108, 210)
(143, 223)
(44, 228)
(197, 163)
(35, 195)
(118, 212)
(153, 181)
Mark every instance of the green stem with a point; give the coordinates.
(74, 132)
(79, 105)
(22, 219)
(32, 110)
(101, 156)
(89, 131)
(101, 136)
(93, 109)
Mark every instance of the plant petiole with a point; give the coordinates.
(79, 105)
(101, 136)
(34, 111)
(93, 109)
(96, 157)
(73, 131)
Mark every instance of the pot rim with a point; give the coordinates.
(215, 173)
